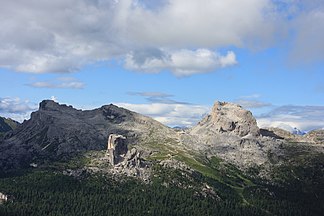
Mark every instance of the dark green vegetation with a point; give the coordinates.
(297, 189)
(47, 193)
(297, 186)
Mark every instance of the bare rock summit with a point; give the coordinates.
(58, 131)
(229, 118)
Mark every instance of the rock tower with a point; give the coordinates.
(115, 147)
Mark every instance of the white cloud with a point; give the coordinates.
(64, 82)
(308, 43)
(14, 105)
(16, 108)
(170, 114)
(288, 117)
(53, 98)
(251, 101)
(304, 22)
(62, 36)
(202, 23)
(182, 62)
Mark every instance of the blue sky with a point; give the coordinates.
(167, 59)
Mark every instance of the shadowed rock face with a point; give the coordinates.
(56, 131)
(315, 136)
(279, 133)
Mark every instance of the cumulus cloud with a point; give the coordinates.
(63, 83)
(164, 109)
(308, 43)
(16, 108)
(305, 22)
(170, 114)
(14, 105)
(288, 117)
(203, 23)
(181, 62)
(62, 36)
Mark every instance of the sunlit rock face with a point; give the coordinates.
(229, 118)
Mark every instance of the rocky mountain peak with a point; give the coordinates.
(51, 105)
(230, 118)
(58, 130)
(45, 104)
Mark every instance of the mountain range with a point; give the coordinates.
(226, 149)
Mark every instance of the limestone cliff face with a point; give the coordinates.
(231, 133)
(228, 118)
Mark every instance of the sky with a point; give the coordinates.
(168, 59)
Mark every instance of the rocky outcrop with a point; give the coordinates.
(131, 164)
(116, 147)
(76, 173)
(132, 159)
(134, 165)
(3, 198)
(230, 132)
(315, 136)
(230, 119)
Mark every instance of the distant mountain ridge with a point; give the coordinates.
(314, 136)
(298, 132)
